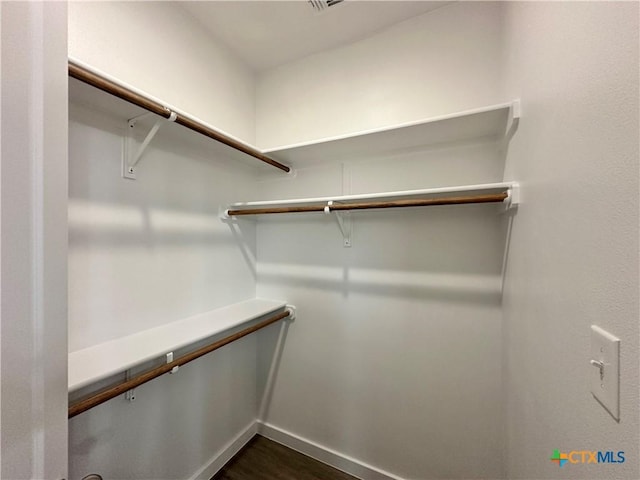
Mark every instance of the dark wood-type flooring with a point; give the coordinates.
(263, 459)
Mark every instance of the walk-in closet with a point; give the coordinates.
(321, 239)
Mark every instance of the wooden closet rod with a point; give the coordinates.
(119, 389)
(418, 202)
(106, 85)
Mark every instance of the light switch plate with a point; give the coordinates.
(605, 385)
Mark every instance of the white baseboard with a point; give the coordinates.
(225, 454)
(323, 454)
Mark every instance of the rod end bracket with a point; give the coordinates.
(169, 360)
(292, 311)
(224, 214)
(513, 196)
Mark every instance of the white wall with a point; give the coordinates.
(395, 357)
(574, 248)
(149, 251)
(400, 356)
(159, 48)
(143, 253)
(33, 314)
(146, 252)
(444, 61)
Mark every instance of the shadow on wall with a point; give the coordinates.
(148, 251)
(452, 253)
(482, 290)
(271, 342)
(99, 225)
(120, 225)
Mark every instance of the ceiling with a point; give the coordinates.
(267, 33)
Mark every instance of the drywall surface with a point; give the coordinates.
(33, 301)
(176, 426)
(574, 247)
(444, 61)
(394, 358)
(160, 48)
(148, 251)
(143, 253)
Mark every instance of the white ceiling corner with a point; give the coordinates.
(268, 33)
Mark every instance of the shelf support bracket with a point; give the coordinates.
(131, 159)
(344, 223)
(515, 112)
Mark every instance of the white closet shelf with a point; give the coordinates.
(84, 97)
(492, 121)
(100, 361)
(511, 188)
(507, 193)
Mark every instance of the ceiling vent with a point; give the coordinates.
(321, 5)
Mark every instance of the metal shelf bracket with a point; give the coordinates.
(131, 156)
(344, 223)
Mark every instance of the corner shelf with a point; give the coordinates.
(495, 122)
(492, 121)
(98, 362)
